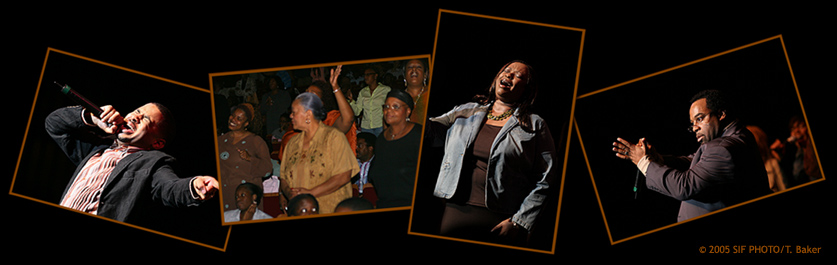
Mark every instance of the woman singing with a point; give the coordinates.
(415, 80)
(498, 162)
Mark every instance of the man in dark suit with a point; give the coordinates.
(725, 170)
(121, 173)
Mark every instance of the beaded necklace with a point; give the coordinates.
(501, 117)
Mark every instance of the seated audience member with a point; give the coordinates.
(365, 154)
(303, 204)
(247, 198)
(353, 204)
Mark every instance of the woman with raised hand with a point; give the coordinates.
(318, 160)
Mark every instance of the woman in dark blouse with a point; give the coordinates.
(393, 171)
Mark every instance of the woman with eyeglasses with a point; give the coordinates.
(393, 171)
(498, 166)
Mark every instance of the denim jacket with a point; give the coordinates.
(521, 164)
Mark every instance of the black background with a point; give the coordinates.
(186, 45)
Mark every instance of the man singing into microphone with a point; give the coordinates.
(123, 178)
(726, 169)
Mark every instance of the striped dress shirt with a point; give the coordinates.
(87, 187)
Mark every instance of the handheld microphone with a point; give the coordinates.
(78, 98)
(81, 100)
(780, 144)
(637, 183)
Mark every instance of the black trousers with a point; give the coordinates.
(471, 222)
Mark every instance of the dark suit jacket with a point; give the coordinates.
(723, 172)
(139, 182)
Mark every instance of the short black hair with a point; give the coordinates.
(372, 67)
(716, 100)
(296, 202)
(167, 128)
(368, 137)
(356, 204)
(253, 188)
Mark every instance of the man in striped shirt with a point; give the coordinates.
(121, 171)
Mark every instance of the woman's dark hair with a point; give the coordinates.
(295, 202)
(422, 61)
(356, 204)
(329, 101)
(277, 79)
(796, 119)
(248, 110)
(254, 189)
(524, 105)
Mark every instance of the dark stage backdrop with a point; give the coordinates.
(620, 46)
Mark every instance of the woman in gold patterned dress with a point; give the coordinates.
(317, 161)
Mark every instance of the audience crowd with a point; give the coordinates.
(352, 98)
